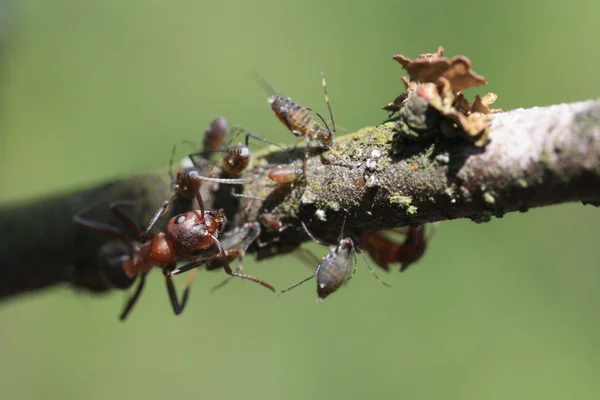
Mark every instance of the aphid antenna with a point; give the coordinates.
(311, 235)
(324, 83)
(172, 159)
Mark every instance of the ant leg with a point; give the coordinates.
(228, 270)
(133, 299)
(368, 266)
(229, 252)
(175, 303)
(103, 228)
(115, 208)
(191, 265)
(159, 214)
(238, 269)
(301, 282)
(198, 178)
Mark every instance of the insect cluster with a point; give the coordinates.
(201, 237)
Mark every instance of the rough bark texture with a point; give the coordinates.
(536, 157)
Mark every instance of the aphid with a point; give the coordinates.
(188, 236)
(215, 135)
(334, 269)
(384, 251)
(235, 160)
(285, 175)
(298, 119)
(272, 222)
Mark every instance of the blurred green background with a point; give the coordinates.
(92, 90)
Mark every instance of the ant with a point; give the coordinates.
(383, 250)
(334, 268)
(187, 236)
(302, 124)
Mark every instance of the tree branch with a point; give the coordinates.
(535, 157)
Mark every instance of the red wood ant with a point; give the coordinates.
(384, 251)
(301, 123)
(333, 269)
(187, 236)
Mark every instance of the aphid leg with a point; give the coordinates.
(262, 139)
(355, 266)
(134, 297)
(306, 151)
(175, 303)
(103, 228)
(368, 265)
(310, 234)
(301, 282)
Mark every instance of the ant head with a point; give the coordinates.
(191, 233)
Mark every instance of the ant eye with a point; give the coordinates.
(180, 219)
